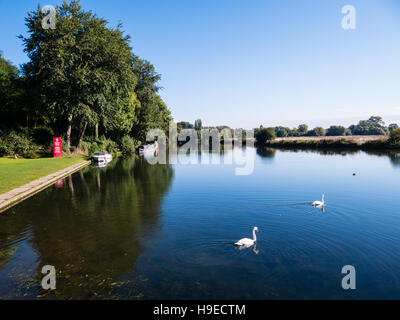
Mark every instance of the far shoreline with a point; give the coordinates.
(342, 142)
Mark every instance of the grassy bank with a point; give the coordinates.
(17, 172)
(347, 142)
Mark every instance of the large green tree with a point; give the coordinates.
(152, 111)
(82, 69)
(373, 126)
(263, 135)
(9, 93)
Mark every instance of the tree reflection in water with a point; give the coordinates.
(91, 230)
(393, 155)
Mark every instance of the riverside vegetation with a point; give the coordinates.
(83, 82)
(368, 134)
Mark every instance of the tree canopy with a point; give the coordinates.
(373, 126)
(263, 135)
(82, 75)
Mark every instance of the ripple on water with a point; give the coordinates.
(200, 253)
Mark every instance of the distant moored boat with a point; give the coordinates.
(101, 158)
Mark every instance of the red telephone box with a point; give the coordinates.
(57, 151)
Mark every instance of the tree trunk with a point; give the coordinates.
(98, 181)
(81, 134)
(96, 130)
(69, 132)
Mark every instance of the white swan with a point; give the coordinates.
(246, 242)
(319, 203)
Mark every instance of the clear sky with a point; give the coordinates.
(244, 63)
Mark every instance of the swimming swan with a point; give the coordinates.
(319, 203)
(246, 242)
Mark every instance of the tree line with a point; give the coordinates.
(373, 126)
(82, 81)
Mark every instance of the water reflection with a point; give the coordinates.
(124, 232)
(266, 152)
(91, 229)
(393, 155)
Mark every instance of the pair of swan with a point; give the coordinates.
(246, 242)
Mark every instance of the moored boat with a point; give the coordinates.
(101, 158)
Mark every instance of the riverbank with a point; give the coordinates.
(353, 142)
(21, 178)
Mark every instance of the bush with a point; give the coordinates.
(13, 144)
(127, 145)
(265, 134)
(109, 145)
(98, 145)
(395, 136)
(338, 131)
(317, 132)
(43, 135)
(94, 148)
(90, 147)
(64, 146)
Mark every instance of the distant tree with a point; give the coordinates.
(302, 129)
(377, 120)
(317, 132)
(395, 136)
(265, 134)
(282, 132)
(338, 131)
(222, 127)
(184, 125)
(294, 132)
(198, 124)
(393, 126)
(373, 126)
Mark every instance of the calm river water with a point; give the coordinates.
(140, 231)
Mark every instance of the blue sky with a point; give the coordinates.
(246, 63)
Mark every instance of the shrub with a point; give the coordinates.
(282, 132)
(109, 145)
(94, 148)
(317, 132)
(392, 127)
(13, 144)
(64, 146)
(98, 145)
(338, 131)
(265, 134)
(395, 136)
(127, 145)
(43, 135)
(90, 147)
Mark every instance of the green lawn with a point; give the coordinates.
(17, 172)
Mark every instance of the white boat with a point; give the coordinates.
(101, 158)
(99, 165)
